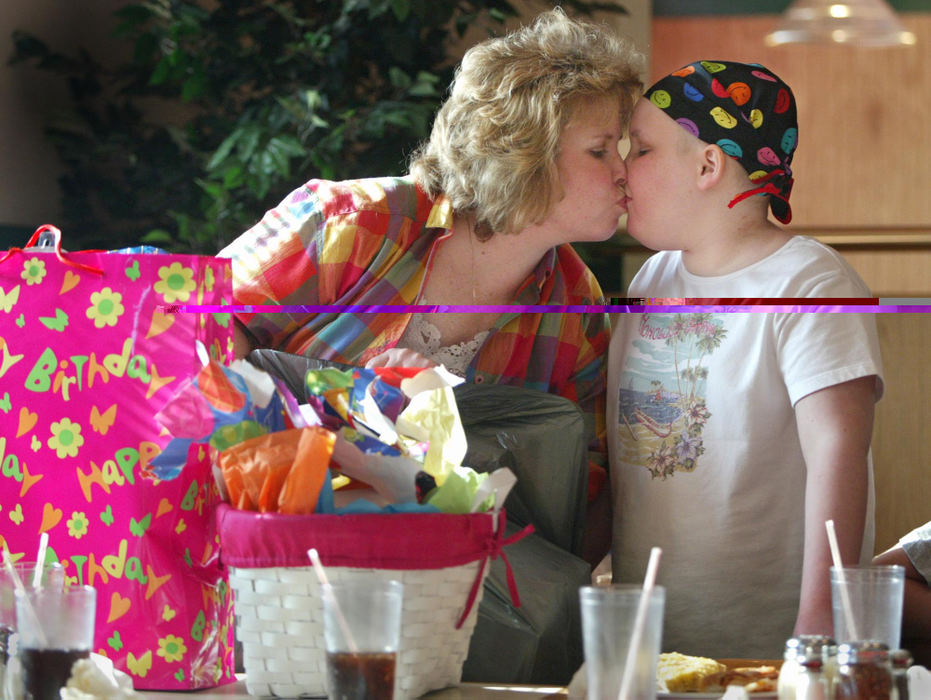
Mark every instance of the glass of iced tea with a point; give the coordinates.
(362, 631)
(55, 628)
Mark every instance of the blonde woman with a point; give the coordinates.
(522, 160)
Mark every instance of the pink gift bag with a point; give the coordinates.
(90, 349)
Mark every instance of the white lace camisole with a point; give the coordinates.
(423, 337)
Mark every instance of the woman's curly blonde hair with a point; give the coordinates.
(494, 142)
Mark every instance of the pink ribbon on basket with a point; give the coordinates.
(56, 233)
(494, 547)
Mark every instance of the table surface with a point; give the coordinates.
(464, 691)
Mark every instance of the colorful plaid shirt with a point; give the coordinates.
(371, 242)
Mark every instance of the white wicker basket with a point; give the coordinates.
(280, 624)
(441, 559)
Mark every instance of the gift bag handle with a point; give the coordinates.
(48, 236)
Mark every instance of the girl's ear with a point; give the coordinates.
(712, 163)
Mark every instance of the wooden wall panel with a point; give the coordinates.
(895, 272)
(865, 141)
(902, 429)
(898, 272)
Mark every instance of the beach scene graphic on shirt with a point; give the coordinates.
(661, 399)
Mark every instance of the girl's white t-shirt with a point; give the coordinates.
(705, 455)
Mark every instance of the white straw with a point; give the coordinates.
(40, 561)
(328, 593)
(839, 565)
(639, 623)
(18, 585)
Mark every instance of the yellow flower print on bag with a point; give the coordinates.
(175, 283)
(106, 307)
(66, 438)
(33, 271)
(78, 525)
(171, 648)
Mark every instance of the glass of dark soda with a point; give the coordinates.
(50, 574)
(362, 630)
(55, 628)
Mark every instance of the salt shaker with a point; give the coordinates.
(864, 672)
(788, 674)
(812, 683)
(804, 646)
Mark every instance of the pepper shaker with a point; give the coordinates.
(901, 660)
(864, 672)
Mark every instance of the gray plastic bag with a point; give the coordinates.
(541, 437)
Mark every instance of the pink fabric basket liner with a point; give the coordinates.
(376, 540)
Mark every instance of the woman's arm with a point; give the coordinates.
(835, 426)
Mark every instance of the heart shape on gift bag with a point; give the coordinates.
(119, 606)
(160, 323)
(27, 421)
(69, 282)
(164, 506)
(51, 516)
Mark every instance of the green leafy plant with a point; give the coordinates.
(221, 108)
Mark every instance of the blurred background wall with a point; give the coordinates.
(29, 166)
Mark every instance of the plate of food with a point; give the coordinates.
(684, 677)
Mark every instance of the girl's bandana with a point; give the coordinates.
(746, 110)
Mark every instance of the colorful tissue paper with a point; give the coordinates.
(221, 406)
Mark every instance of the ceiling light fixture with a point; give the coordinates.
(852, 22)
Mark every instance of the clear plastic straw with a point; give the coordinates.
(40, 561)
(18, 585)
(839, 565)
(330, 596)
(639, 622)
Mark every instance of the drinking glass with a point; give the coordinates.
(875, 595)
(362, 632)
(55, 628)
(609, 615)
(53, 575)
